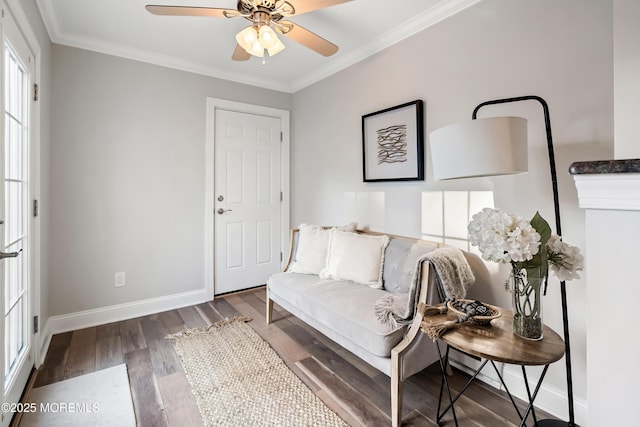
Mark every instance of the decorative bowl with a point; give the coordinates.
(485, 313)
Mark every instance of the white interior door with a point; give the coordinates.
(247, 199)
(15, 194)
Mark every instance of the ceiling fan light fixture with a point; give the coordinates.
(247, 38)
(255, 40)
(267, 37)
(277, 48)
(257, 49)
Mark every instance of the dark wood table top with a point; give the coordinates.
(497, 341)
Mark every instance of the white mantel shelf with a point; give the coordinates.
(611, 184)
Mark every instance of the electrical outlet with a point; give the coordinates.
(119, 279)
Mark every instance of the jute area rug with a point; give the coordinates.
(101, 398)
(239, 380)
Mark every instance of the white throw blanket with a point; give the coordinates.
(452, 274)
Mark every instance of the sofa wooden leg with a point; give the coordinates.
(269, 311)
(396, 401)
(396, 389)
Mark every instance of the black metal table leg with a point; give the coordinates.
(443, 368)
(532, 397)
(444, 361)
(444, 382)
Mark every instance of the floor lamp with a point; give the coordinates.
(498, 146)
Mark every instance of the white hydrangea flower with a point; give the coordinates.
(502, 237)
(565, 260)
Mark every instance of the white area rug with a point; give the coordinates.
(101, 398)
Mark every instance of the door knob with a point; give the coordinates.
(9, 254)
(221, 211)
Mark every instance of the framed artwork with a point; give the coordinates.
(393, 144)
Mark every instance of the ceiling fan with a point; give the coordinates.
(260, 39)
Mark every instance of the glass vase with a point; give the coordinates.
(526, 287)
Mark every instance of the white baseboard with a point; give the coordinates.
(46, 335)
(115, 313)
(549, 399)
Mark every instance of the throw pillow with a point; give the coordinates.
(311, 253)
(355, 257)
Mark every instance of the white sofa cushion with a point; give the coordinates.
(311, 253)
(338, 307)
(356, 258)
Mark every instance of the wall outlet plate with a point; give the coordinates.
(119, 279)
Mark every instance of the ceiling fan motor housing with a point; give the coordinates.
(276, 10)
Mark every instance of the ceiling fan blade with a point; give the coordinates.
(304, 6)
(186, 11)
(307, 38)
(240, 54)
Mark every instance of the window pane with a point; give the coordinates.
(479, 200)
(432, 219)
(456, 214)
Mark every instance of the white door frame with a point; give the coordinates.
(34, 192)
(209, 215)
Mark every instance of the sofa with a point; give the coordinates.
(361, 289)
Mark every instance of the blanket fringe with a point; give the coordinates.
(435, 330)
(431, 310)
(384, 313)
(204, 329)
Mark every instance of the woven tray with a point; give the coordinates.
(492, 312)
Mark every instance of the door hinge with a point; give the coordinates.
(281, 256)
(36, 324)
(281, 137)
(36, 92)
(35, 208)
(281, 196)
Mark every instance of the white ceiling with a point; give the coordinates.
(204, 45)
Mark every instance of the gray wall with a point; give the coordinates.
(561, 51)
(626, 72)
(128, 177)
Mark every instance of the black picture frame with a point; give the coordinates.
(393, 143)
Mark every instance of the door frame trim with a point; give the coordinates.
(34, 356)
(209, 215)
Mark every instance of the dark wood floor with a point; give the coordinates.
(353, 389)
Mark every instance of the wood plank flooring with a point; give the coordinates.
(353, 389)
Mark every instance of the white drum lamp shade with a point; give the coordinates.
(481, 147)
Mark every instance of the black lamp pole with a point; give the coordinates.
(556, 206)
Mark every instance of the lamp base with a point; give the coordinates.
(555, 423)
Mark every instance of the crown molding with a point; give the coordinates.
(438, 13)
(420, 22)
(166, 61)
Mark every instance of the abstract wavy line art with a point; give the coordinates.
(392, 144)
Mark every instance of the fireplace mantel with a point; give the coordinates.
(608, 184)
(610, 193)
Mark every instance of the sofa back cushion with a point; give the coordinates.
(355, 257)
(400, 262)
(310, 255)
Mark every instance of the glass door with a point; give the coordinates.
(17, 360)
